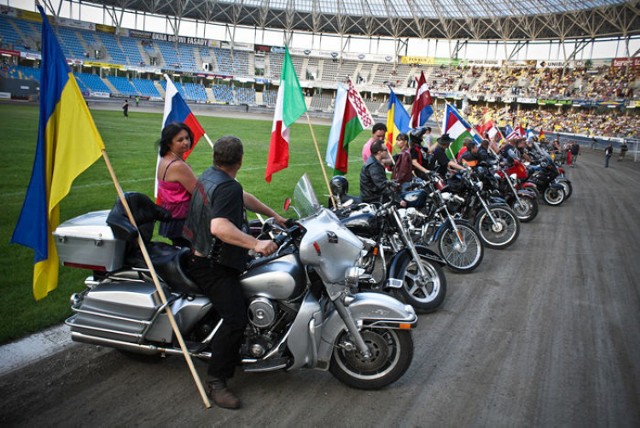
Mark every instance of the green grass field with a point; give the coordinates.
(131, 147)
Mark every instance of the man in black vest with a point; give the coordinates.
(217, 228)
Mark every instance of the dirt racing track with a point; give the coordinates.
(545, 333)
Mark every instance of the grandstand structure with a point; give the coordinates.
(488, 54)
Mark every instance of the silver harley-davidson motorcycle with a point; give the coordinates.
(303, 311)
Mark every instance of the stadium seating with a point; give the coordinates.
(223, 93)
(91, 82)
(145, 87)
(122, 85)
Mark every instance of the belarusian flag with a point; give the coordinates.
(457, 128)
(290, 105)
(350, 117)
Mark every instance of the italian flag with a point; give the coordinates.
(290, 105)
(350, 117)
(457, 128)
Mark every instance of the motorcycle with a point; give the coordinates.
(301, 307)
(523, 202)
(429, 220)
(544, 178)
(392, 262)
(425, 220)
(494, 220)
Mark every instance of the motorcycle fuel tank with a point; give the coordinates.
(282, 278)
(365, 224)
(415, 199)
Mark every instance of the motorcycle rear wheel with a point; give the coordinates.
(465, 258)
(554, 197)
(391, 355)
(526, 210)
(424, 294)
(504, 232)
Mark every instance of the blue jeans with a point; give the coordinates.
(606, 161)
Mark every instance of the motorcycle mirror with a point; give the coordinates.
(287, 204)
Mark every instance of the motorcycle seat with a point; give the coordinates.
(172, 270)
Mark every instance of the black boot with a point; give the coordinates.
(221, 395)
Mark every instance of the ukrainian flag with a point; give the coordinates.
(68, 143)
(397, 119)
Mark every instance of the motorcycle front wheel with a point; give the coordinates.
(503, 232)
(554, 197)
(427, 293)
(526, 209)
(391, 355)
(462, 253)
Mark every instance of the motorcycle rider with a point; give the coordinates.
(217, 228)
(483, 151)
(373, 179)
(509, 152)
(442, 162)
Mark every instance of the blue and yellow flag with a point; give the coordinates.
(397, 119)
(68, 143)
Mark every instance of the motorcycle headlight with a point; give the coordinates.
(513, 177)
(478, 185)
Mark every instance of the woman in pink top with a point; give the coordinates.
(176, 180)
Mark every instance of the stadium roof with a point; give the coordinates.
(425, 19)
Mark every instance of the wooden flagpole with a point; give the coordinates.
(324, 172)
(156, 282)
(208, 140)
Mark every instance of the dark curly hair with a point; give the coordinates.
(170, 131)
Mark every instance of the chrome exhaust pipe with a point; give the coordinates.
(133, 347)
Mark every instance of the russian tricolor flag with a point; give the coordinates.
(177, 110)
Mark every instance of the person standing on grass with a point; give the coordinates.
(378, 132)
(125, 108)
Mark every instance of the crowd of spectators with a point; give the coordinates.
(611, 123)
(597, 83)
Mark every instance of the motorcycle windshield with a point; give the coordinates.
(304, 198)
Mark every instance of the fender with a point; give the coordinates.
(403, 257)
(526, 193)
(556, 186)
(302, 340)
(496, 200)
(368, 309)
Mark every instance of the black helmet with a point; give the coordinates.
(416, 134)
(339, 185)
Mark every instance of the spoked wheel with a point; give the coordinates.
(501, 233)
(526, 208)
(463, 253)
(554, 197)
(391, 354)
(424, 293)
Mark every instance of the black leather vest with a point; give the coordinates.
(197, 227)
